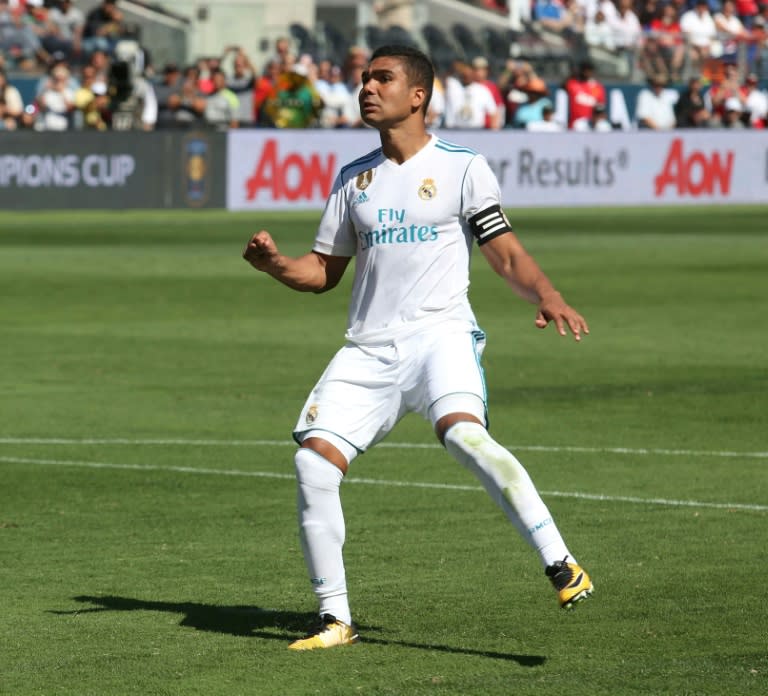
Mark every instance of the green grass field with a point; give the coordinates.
(149, 381)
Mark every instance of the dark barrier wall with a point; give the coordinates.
(112, 170)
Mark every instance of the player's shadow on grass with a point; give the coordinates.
(257, 622)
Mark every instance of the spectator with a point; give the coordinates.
(67, 23)
(597, 122)
(533, 109)
(205, 69)
(700, 32)
(338, 109)
(724, 87)
(168, 92)
(747, 10)
(18, 41)
(35, 18)
(11, 104)
(647, 12)
(598, 33)
(730, 30)
(296, 104)
(655, 105)
(755, 102)
(584, 92)
(189, 105)
(567, 21)
(222, 105)
(101, 63)
(91, 102)
(549, 14)
(471, 106)
(265, 88)
(104, 26)
(627, 33)
(690, 109)
(733, 114)
(664, 47)
(241, 80)
(482, 75)
(56, 101)
(547, 124)
(284, 55)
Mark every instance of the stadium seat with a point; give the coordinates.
(469, 45)
(304, 39)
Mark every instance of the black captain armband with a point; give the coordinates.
(489, 224)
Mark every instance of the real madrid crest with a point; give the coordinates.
(312, 414)
(363, 180)
(427, 190)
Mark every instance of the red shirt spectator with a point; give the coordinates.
(584, 92)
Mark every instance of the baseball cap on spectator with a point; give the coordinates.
(751, 79)
(480, 62)
(733, 104)
(300, 69)
(35, 3)
(170, 68)
(99, 89)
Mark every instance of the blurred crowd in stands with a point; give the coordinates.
(95, 75)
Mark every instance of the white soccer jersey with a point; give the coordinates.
(408, 227)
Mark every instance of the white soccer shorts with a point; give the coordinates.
(366, 390)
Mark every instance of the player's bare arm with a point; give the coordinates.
(511, 261)
(313, 272)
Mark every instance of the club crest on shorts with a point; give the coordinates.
(311, 414)
(364, 179)
(427, 190)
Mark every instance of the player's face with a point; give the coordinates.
(386, 97)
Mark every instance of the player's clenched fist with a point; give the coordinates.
(261, 251)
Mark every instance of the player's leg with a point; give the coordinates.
(321, 463)
(346, 411)
(459, 418)
(511, 488)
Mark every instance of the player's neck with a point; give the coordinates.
(404, 141)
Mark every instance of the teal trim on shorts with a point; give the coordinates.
(295, 434)
(479, 335)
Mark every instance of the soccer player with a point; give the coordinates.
(410, 212)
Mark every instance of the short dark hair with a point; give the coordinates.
(418, 67)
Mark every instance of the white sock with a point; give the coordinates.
(321, 530)
(510, 486)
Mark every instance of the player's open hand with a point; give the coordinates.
(261, 251)
(554, 308)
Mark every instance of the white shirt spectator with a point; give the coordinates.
(657, 107)
(69, 20)
(626, 29)
(473, 107)
(698, 26)
(756, 102)
(338, 110)
(597, 32)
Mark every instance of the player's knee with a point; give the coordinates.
(315, 471)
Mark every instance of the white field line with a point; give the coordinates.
(639, 451)
(378, 482)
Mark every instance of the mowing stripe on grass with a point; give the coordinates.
(643, 451)
(380, 482)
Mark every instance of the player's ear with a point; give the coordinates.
(418, 95)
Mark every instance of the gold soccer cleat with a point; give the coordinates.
(571, 582)
(330, 633)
